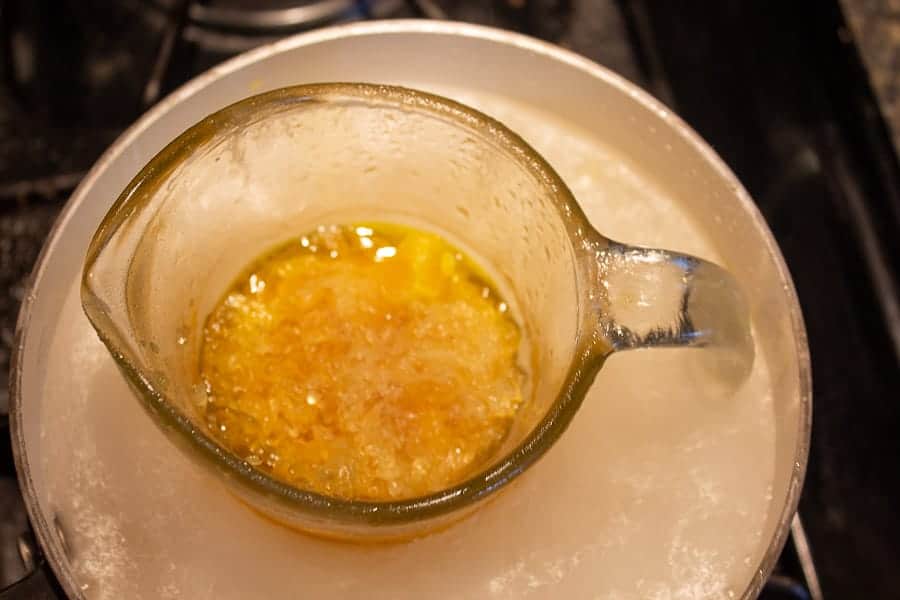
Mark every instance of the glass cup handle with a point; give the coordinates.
(655, 298)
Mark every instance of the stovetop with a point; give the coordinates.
(780, 93)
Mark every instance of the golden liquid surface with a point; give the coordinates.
(370, 362)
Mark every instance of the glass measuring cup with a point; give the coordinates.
(276, 165)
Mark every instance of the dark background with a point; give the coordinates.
(778, 88)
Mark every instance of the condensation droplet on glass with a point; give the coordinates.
(304, 241)
(366, 242)
(333, 254)
(182, 340)
(502, 307)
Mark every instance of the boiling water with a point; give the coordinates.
(659, 489)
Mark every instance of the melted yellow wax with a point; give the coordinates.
(369, 362)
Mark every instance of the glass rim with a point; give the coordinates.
(480, 485)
